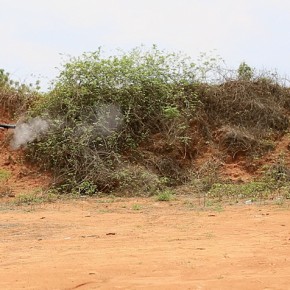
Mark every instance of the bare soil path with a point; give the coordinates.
(144, 244)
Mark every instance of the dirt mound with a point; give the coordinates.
(240, 167)
(237, 129)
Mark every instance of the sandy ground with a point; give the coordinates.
(144, 244)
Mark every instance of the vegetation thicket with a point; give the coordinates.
(136, 121)
(15, 97)
(105, 108)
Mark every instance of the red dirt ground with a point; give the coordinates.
(140, 243)
(144, 244)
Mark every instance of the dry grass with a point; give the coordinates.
(259, 105)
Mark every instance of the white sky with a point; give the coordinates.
(33, 33)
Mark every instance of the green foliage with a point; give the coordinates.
(4, 175)
(136, 180)
(36, 197)
(136, 207)
(4, 79)
(16, 97)
(85, 187)
(165, 195)
(255, 189)
(122, 120)
(106, 106)
(171, 112)
(27, 199)
(245, 72)
(7, 83)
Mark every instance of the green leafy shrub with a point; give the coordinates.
(152, 111)
(165, 195)
(104, 107)
(16, 98)
(245, 72)
(136, 180)
(136, 207)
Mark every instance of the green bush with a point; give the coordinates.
(165, 195)
(15, 97)
(135, 180)
(103, 107)
(152, 112)
(245, 72)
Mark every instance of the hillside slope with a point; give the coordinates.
(19, 177)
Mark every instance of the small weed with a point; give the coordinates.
(165, 195)
(136, 207)
(28, 199)
(4, 175)
(35, 198)
(86, 188)
(254, 190)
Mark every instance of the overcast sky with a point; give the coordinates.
(33, 33)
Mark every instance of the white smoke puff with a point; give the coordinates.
(103, 120)
(110, 119)
(27, 132)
